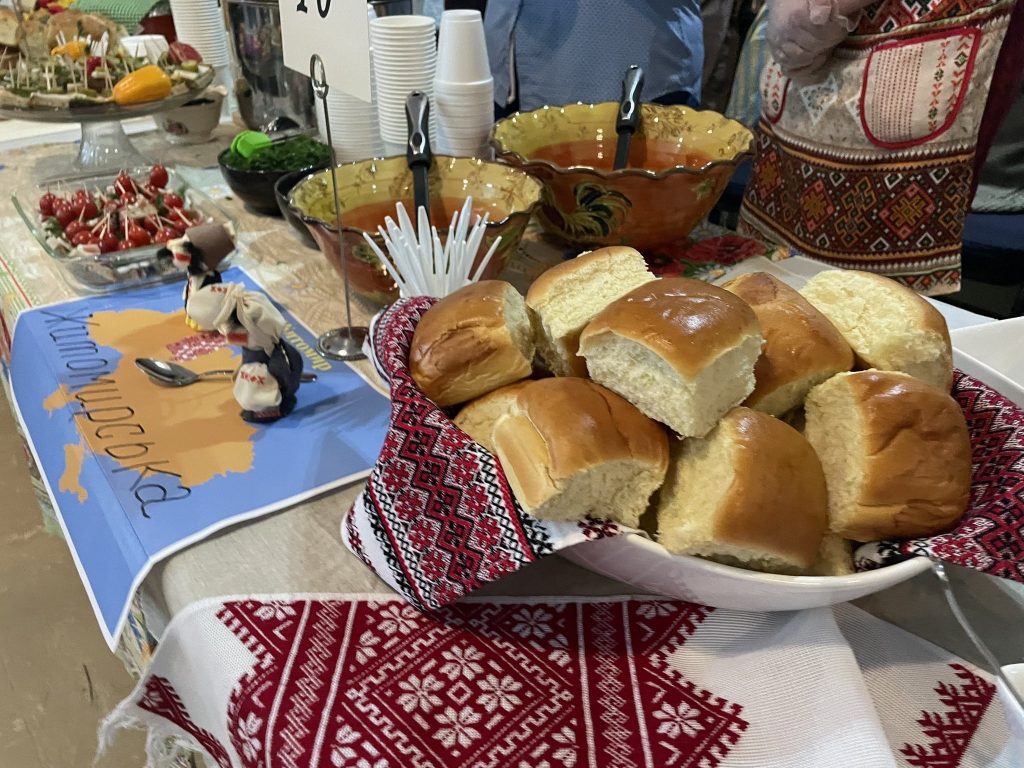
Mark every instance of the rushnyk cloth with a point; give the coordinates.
(369, 682)
(868, 163)
(437, 518)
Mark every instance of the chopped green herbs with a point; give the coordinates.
(288, 155)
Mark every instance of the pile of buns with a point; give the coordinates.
(750, 424)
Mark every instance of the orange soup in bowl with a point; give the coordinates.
(600, 154)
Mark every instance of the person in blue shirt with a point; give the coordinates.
(553, 52)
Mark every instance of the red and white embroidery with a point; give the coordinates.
(950, 732)
(378, 684)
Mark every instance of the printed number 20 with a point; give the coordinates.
(323, 7)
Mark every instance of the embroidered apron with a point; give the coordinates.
(870, 166)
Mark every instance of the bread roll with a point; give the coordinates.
(888, 325)
(680, 350)
(752, 493)
(801, 346)
(471, 342)
(835, 557)
(566, 297)
(478, 417)
(10, 28)
(570, 448)
(896, 455)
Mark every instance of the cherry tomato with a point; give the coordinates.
(73, 228)
(150, 225)
(166, 234)
(128, 198)
(173, 200)
(46, 203)
(125, 245)
(83, 238)
(137, 236)
(82, 194)
(64, 212)
(124, 184)
(109, 242)
(158, 176)
(90, 211)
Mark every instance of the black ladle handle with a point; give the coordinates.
(629, 113)
(417, 153)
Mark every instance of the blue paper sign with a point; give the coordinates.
(137, 471)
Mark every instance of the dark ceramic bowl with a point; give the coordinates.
(281, 190)
(256, 188)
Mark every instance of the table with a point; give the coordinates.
(298, 551)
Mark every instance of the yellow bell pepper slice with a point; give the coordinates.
(76, 49)
(150, 83)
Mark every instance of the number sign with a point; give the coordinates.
(337, 30)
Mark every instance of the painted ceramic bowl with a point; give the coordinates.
(370, 189)
(679, 164)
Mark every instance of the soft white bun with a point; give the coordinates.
(570, 448)
(751, 493)
(471, 342)
(478, 417)
(802, 348)
(890, 327)
(896, 455)
(680, 350)
(566, 297)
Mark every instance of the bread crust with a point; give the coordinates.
(916, 462)
(552, 277)
(462, 347)
(777, 503)
(685, 322)
(562, 426)
(800, 342)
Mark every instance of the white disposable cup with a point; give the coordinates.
(462, 49)
(402, 23)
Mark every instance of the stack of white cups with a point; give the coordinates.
(200, 24)
(404, 59)
(354, 128)
(463, 88)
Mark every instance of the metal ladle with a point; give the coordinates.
(175, 375)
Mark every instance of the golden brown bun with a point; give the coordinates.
(568, 295)
(471, 342)
(75, 24)
(751, 493)
(889, 326)
(570, 448)
(10, 28)
(478, 417)
(896, 454)
(802, 348)
(680, 350)
(687, 323)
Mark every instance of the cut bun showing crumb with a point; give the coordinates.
(472, 342)
(835, 557)
(570, 448)
(801, 349)
(478, 417)
(890, 327)
(896, 455)
(680, 350)
(566, 297)
(752, 493)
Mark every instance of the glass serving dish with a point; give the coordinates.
(104, 144)
(116, 270)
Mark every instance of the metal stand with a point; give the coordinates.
(341, 343)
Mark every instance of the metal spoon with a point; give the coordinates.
(176, 375)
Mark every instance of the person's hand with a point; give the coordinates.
(803, 33)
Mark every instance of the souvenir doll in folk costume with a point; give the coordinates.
(870, 120)
(271, 370)
(199, 251)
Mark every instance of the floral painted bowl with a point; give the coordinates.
(369, 190)
(679, 164)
